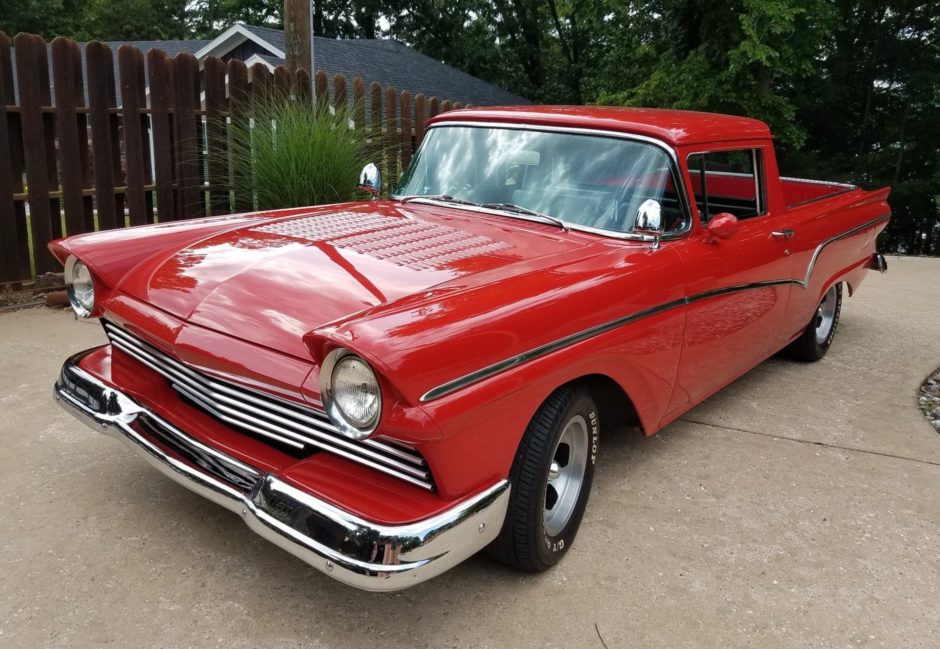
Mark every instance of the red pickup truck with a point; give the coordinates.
(384, 388)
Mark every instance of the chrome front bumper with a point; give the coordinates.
(355, 551)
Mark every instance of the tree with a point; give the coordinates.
(134, 20)
(738, 57)
(48, 18)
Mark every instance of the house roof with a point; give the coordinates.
(389, 62)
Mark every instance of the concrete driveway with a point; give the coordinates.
(797, 508)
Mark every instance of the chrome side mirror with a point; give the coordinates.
(649, 220)
(370, 180)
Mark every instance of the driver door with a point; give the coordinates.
(737, 288)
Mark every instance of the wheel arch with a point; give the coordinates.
(615, 407)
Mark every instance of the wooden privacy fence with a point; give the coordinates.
(88, 147)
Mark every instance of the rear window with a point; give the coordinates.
(728, 181)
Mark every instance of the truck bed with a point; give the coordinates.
(799, 191)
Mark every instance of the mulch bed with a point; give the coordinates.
(42, 290)
(929, 399)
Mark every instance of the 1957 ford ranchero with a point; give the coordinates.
(385, 388)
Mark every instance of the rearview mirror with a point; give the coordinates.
(723, 226)
(370, 180)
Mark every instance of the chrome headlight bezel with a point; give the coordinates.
(334, 410)
(80, 286)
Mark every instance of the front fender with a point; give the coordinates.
(483, 423)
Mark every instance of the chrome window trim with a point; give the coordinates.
(674, 171)
(566, 341)
(759, 175)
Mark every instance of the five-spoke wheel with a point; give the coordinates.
(816, 338)
(551, 480)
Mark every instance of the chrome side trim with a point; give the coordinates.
(810, 181)
(496, 368)
(848, 233)
(294, 425)
(344, 546)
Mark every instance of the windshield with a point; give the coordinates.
(585, 180)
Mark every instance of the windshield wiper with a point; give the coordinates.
(512, 207)
(444, 198)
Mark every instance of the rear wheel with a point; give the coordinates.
(816, 339)
(551, 480)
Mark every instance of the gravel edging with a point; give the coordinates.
(929, 399)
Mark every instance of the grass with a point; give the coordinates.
(293, 154)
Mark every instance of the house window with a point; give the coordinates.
(728, 181)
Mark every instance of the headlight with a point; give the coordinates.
(351, 393)
(80, 286)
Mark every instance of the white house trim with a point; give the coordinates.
(232, 38)
(256, 58)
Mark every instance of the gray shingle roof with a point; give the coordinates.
(172, 48)
(394, 64)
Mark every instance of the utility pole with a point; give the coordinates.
(299, 45)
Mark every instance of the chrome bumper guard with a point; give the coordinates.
(357, 552)
(878, 262)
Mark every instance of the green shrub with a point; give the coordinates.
(291, 154)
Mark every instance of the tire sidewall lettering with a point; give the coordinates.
(558, 543)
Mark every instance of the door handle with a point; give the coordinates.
(785, 233)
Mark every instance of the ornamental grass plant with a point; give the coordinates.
(292, 153)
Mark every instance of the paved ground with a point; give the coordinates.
(798, 508)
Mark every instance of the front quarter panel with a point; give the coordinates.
(429, 344)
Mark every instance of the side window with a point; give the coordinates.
(728, 181)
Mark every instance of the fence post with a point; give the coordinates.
(283, 82)
(190, 197)
(434, 107)
(29, 67)
(340, 94)
(392, 139)
(161, 98)
(146, 132)
(376, 116)
(133, 135)
(101, 75)
(238, 114)
(419, 119)
(48, 129)
(69, 136)
(216, 139)
(10, 261)
(405, 121)
(359, 102)
(303, 88)
(322, 90)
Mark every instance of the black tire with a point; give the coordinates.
(524, 541)
(807, 347)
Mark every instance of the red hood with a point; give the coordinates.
(272, 281)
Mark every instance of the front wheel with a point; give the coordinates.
(551, 480)
(816, 339)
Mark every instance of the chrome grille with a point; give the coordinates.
(273, 418)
